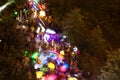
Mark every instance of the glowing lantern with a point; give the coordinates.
(51, 65)
(39, 74)
(42, 13)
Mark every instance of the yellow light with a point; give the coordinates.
(72, 78)
(62, 52)
(51, 65)
(39, 74)
(42, 13)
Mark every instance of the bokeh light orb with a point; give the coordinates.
(51, 77)
(51, 65)
(39, 74)
(60, 57)
(64, 67)
(42, 13)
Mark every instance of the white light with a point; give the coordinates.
(64, 36)
(35, 14)
(46, 37)
(36, 66)
(42, 13)
(38, 29)
(23, 26)
(75, 49)
(42, 28)
(5, 5)
(50, 31)
(0, 40)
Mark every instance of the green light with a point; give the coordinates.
(24, 10)
(15, 12)
(36, 1)
(45, 69)
(25, 53)
(34, 55)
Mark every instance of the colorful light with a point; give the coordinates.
(62, 52)
(35, 14)
(72, 78)
(15, 13)
(36, 66)
(39, 74)
(60, 57)
(53, 56)
(43, 6)
(64, 67)
(36, 1)
(42, 13)
(25, 53)
(5, 5)
(30, 3)
(51, 77)
(44, 69)
(34, 55)
(75, 49)
(50, 31)
(51, 65)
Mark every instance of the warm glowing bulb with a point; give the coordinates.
(42, 13)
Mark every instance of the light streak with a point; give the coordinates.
(5, 5)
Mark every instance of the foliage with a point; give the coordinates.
(76, 27)
(111, 70)
(12, 42)
(89, 40)
(106, 14)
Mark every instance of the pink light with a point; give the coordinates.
(30, 3)
(63, 68)
(51, 77)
